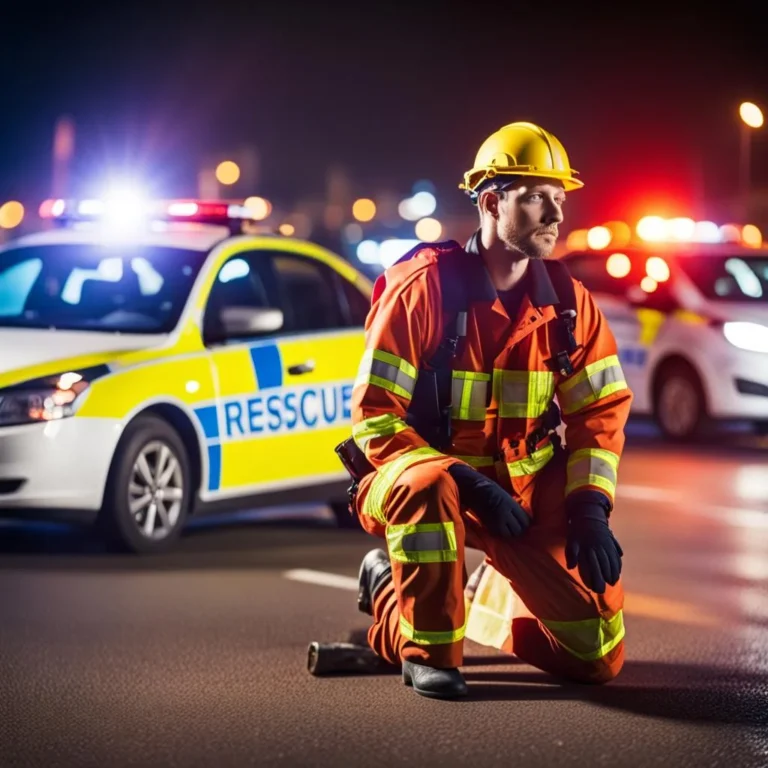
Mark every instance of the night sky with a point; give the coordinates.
(645, 101)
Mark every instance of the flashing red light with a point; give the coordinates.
(200, 211)
(50, 209)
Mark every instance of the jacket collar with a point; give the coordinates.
(539, 286)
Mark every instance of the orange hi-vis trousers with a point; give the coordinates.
(558, 625)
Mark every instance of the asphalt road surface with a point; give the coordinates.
(198, 658)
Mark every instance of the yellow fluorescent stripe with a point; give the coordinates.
(591, 466)
(387, 371)
(387, 476)
(533, 463)
(422, 637)
(422, 543)
(598, 365)
(609, 457)
(608, 389)
(377, 426)
(398, 362)
(523, 394)
(389, 386)
(596, 480)
(588, 639)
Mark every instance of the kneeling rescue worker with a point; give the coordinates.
(473, 356)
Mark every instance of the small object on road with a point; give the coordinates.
(330, 658)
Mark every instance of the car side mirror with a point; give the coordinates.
(250, 321)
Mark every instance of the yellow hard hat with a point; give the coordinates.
(520, 149)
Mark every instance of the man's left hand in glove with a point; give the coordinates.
(591, 544)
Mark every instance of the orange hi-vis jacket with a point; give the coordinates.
(502, 384)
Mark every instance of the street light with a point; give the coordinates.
(227, 172)
(751, 119)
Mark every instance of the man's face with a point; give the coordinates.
(528, 214)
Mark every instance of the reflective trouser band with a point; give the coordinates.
(469, 395)
(593, 466)
(386, 477)
(589, 639)
(387, 371)
(596, 381)
(533, 463)
(422, 543)
(523, 394)
(421, 637)
(377, 426)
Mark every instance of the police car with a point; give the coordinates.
(691, 323)
(172, 367)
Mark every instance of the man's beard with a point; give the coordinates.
(527, 247)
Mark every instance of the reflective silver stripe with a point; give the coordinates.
(377, 426)
(387, 371)
(596, 381)
(523, 394)
(422, 543)
(469, 395)
(593, 466)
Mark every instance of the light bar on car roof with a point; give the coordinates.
(222, 212)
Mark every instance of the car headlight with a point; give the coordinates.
(46, 399)
(749, 336)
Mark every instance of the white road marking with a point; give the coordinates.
(322, 578)
(647, 606)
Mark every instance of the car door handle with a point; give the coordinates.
(297, 370)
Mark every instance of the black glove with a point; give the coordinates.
(592, 546)
(499, 512)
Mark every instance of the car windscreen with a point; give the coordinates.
(729, 278)
(126, 289)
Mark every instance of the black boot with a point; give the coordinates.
(434, 683)
(375, 571)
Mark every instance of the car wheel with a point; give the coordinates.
(343, 518)
(679, 406)
(148, 492)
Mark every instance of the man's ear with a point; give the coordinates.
(488, 202)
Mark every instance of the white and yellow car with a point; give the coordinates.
(152, 373)
(690, 318)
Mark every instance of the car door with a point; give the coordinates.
(320, 354)
(246, 365)
(283, 396)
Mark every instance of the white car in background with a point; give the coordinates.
(691, 323)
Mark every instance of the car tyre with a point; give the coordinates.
(679, 403)
(148, 492)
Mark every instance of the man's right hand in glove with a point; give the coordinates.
(592, 546)
(499, 512)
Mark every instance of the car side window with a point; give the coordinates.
(308, 293)
(358, 303)
(244, 281)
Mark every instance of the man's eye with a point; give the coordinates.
(535, 197)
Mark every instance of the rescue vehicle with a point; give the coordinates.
(688, 304)
(157, 362)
